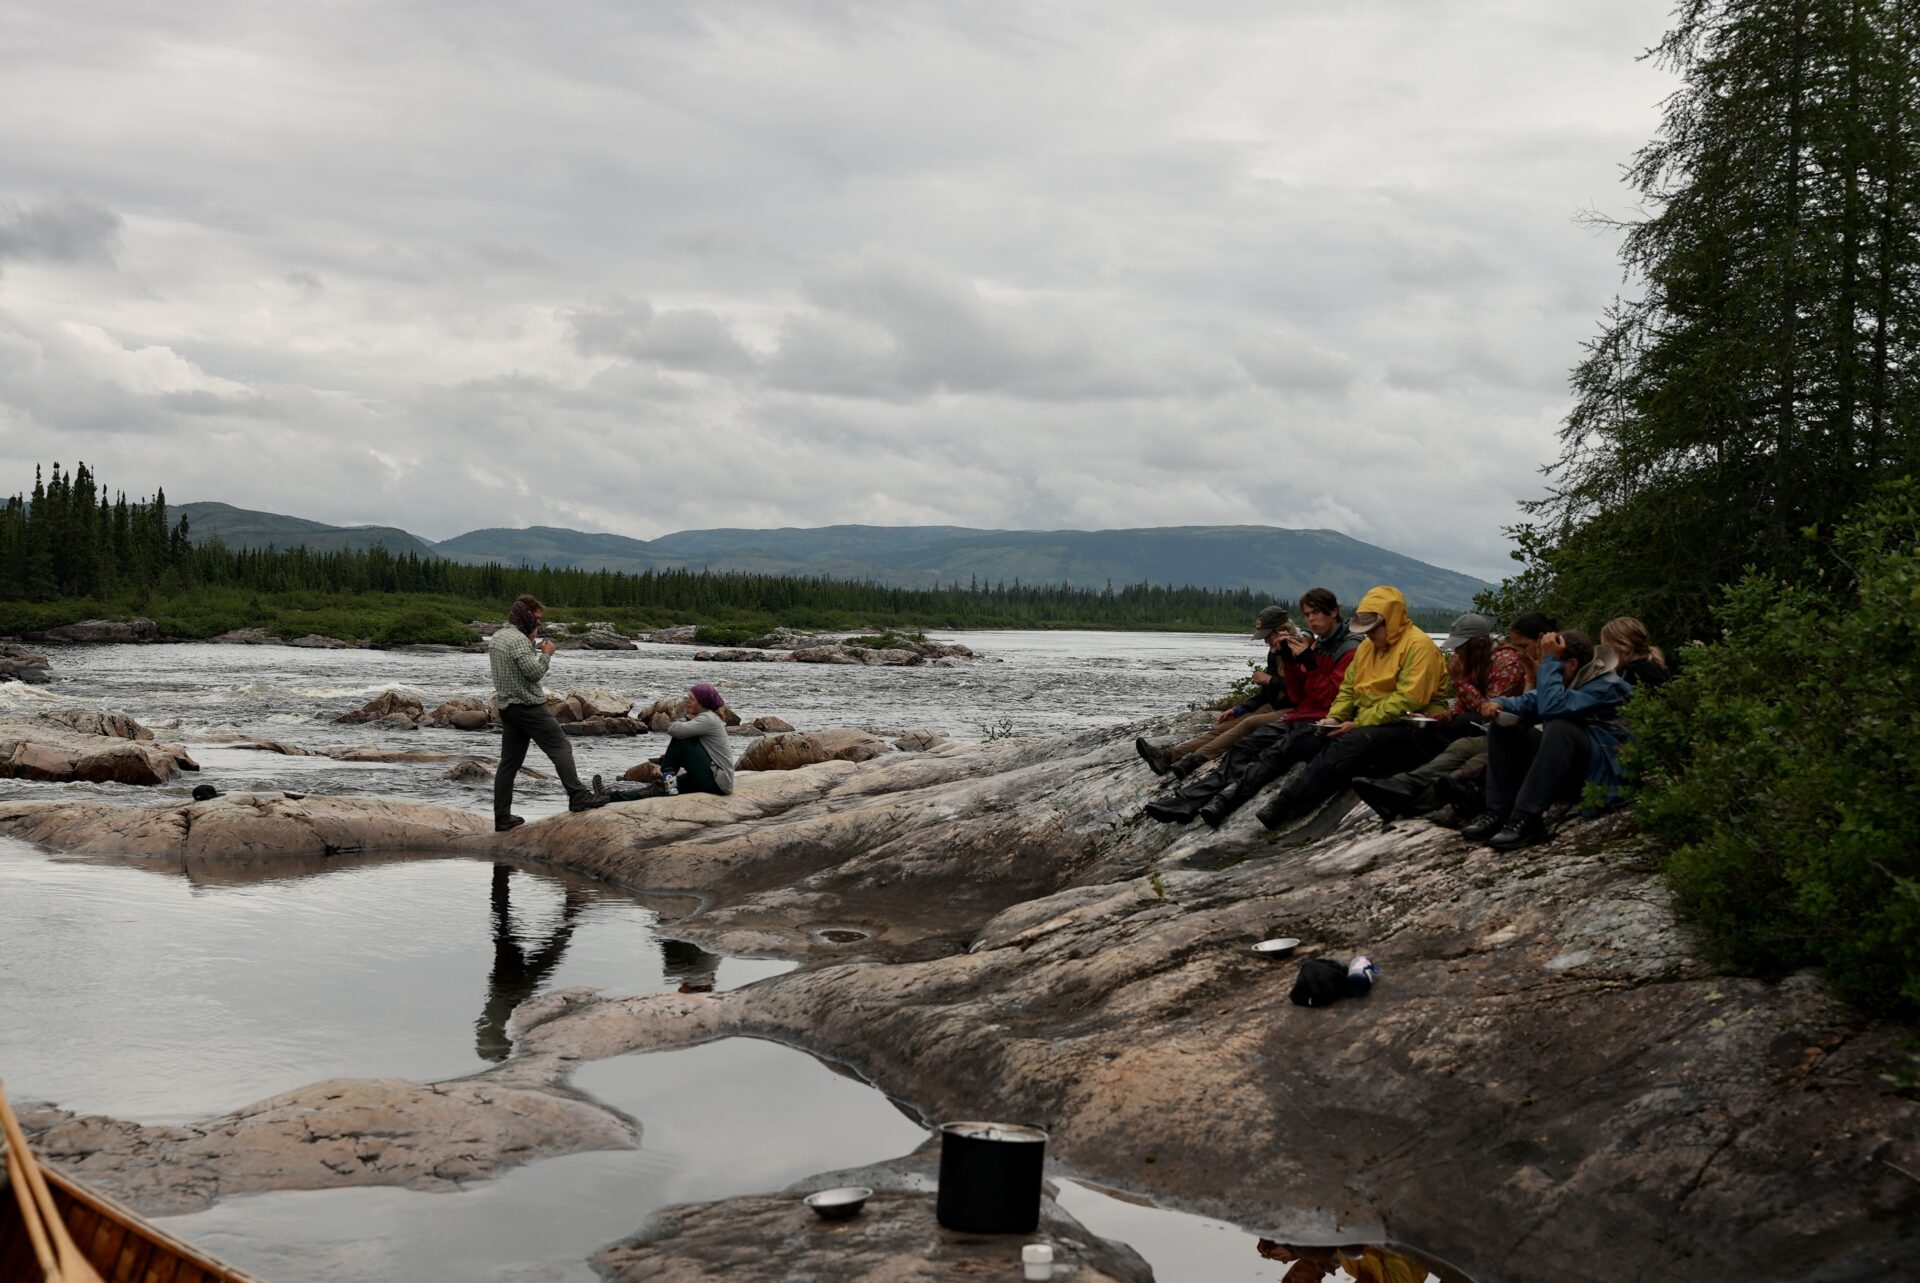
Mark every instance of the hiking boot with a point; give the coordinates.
(1158, 759)
(1522, 830)
(1188, 765)
(1277, 812)
(1171, 811)
(1216, 812)
(587, 801)
(1390, 800)
(511, 822)
(599, 786)
(1484, 827)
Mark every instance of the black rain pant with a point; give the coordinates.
(1372, 751)
(1529, 768)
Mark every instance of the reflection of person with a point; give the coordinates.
(518, 671)
(692, 966)
(1369, 1264)
(516, 972)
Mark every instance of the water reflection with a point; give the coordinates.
(1362, 1264)
(518, 972)
(691, 966)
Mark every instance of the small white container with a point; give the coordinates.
(1037, 1260)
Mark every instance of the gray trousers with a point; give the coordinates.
(1458, 755)
(519, 725)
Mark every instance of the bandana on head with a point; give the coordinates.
(521, 617)
(706, 696)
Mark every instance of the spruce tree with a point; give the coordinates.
(1762, 377)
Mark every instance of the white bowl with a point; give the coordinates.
(839, 1204)
(1277, 948)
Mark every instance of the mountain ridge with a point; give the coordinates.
(1275, 559)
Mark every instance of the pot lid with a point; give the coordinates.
(994, 1131)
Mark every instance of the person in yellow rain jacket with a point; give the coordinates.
(1397, 674)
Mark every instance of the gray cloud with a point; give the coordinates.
(60, 229)
(1087, 264)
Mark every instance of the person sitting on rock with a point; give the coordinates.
(700, 759)
(1268, 703)
(1313, 668)
(1481, 668)
(1396, 672)
(1545, 746)
(1641, 662)
(518, 672)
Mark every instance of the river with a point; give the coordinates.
(163, 998)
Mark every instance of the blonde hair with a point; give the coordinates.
(1628, 638)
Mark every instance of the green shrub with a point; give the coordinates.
(1782, 767)
(424, 625)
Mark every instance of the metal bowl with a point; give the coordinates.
(1277, 948)
(839, 1204)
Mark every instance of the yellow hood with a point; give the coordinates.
(1407, 675)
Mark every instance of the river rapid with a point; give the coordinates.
(164, 998)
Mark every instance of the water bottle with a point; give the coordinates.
(1361, 973)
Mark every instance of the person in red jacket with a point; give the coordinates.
(1313, 668)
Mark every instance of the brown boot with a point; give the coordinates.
(1155, 756)
(1188, 765)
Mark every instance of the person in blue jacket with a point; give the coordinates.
(1547, 745)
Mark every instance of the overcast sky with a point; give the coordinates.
(640, 267)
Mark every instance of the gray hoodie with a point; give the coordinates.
(711, 732)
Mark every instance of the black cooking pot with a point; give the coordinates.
(990, 1177)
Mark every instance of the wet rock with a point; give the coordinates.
(314, 641)
(137, 629)
(383, 705)
(395, 722)
(919, 741)
(18, 664)
(793, 750)
(641, 773)
(470, 770)
(463, 715)
(242, 827)
(772, 725)
(825, 655)
(658, 723)
(606, 639)
(48, 749)
(244, 637)
(679, 635)
(606, 726)
(343, 1132)
(599, 702)
(89, 721)
(775, 1238)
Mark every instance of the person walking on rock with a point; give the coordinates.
(519, 669)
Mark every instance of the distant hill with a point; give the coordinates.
(244, 528)
(1281, 561)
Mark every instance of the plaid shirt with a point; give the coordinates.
(517, 668)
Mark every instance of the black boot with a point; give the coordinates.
(1157, 758)
(1390, 799)
(1483, 828)
(1521, 830)
(1188, 765)
(1286, 804)
(1171, 810)
(1215, 813)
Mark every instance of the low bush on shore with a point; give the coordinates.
(1780, 768)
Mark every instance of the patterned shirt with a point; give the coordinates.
(517, 668)
(1506, 675)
